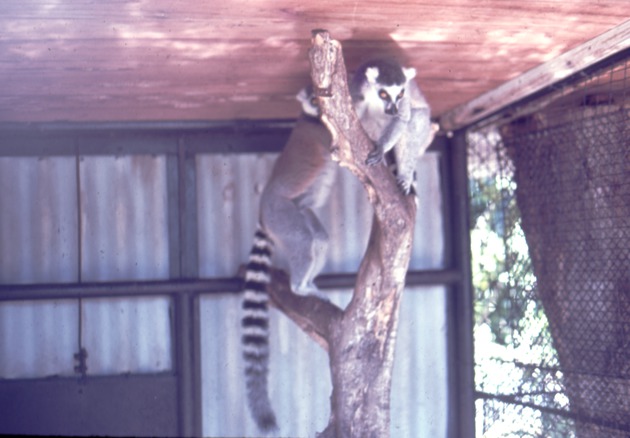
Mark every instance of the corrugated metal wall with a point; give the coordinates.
(419, 387)
(228, 193)
(124, 228)
(39, 243)
(123, 236)
(299, 378)
(127, 335)
(105, 218)
(229, 188)
(120, 335)
(38, 338)
(38, 220)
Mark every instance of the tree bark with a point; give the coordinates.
(573, 192)
(360, 340)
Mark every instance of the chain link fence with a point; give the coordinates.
(550, 217)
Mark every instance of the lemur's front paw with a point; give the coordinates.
(374, 157)
(404, 185)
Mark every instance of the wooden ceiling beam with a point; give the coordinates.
(539, 78)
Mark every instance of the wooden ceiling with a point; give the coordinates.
(183, 60)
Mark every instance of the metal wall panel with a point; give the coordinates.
(38, 244)
(124, 226)
(120, 335)
(299, 372)
(419, 402)
(229, 188)
(127, 335)
(38, 220)
(123, 237)
(348, 219)
(428, 246)
(228, 194)
(299, 380)
(38, 338)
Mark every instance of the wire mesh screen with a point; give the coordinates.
(550, 217)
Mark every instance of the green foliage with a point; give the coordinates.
(514, 356)
(501, 268)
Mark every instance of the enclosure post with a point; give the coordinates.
(460, 302)
(183, 233)
(187, 384)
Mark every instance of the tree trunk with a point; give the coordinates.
(573, 190)
(360, 340)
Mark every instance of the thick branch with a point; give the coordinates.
(362, 341)
(312, 314)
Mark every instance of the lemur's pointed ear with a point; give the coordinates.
(409, 72)
(371, 73)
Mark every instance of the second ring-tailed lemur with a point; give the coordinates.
(394, 114)
(300, 182)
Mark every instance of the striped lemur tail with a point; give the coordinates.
(255, 325)
(300, 182)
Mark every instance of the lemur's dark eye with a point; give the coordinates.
(383, 95)
(314, 101)
(401, 94)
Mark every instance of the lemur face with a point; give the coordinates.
(391, 97)
(386, 84)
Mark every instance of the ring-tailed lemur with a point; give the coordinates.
(394, 114)
(300, 182)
